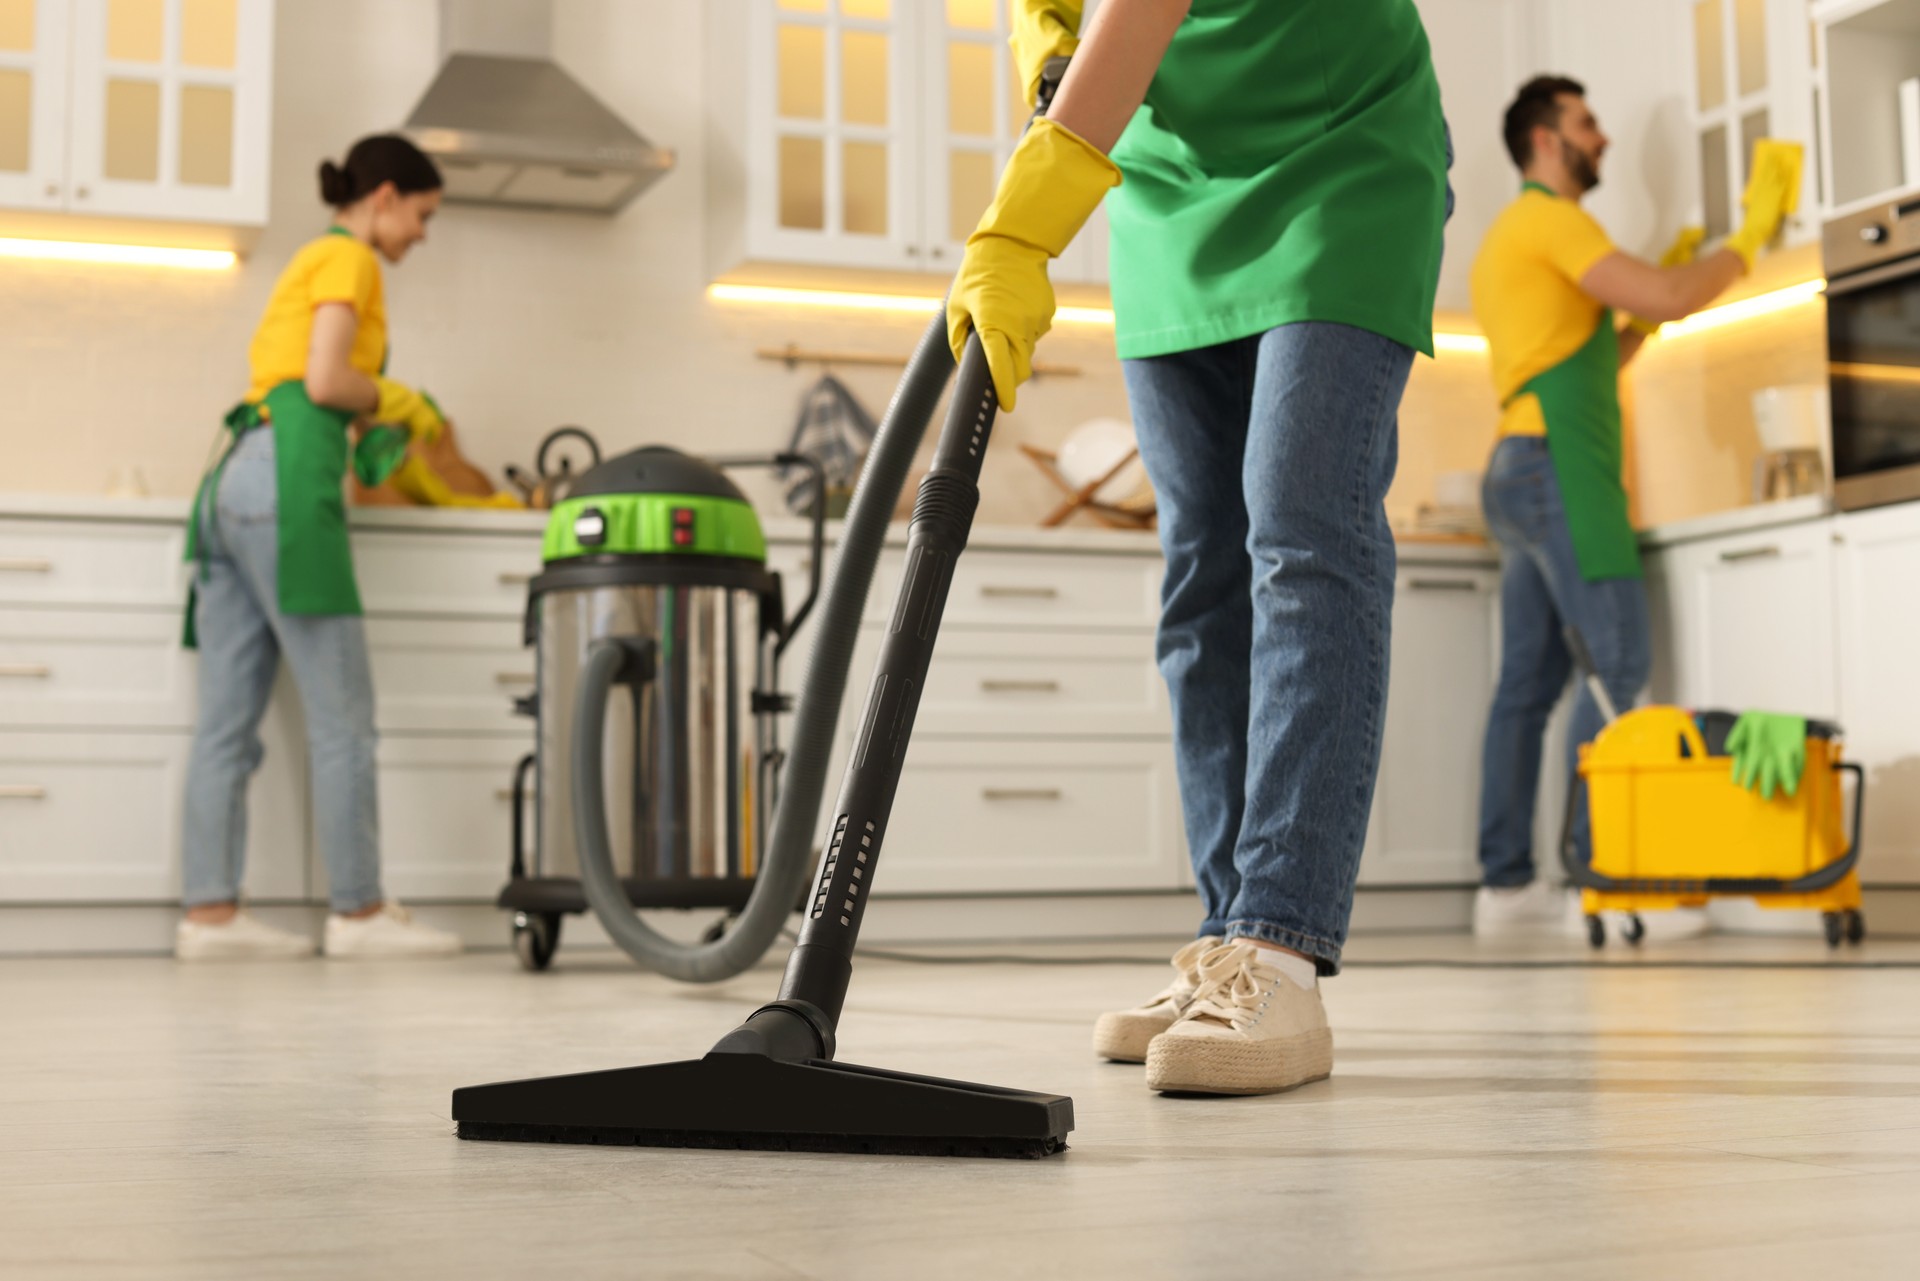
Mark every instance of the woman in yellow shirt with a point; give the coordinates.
(274, 576)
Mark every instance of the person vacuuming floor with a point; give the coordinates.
(1279, 177)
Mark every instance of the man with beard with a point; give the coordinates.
(1546, 285)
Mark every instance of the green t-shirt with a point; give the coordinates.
(1289, 164)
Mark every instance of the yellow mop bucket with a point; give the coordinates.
(1671, 828)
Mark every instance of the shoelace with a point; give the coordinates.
(1232, 989)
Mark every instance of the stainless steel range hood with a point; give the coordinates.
(510, 128)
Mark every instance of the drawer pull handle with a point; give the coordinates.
(1020, 593)
(25, 565)
(513, 678)
(511, 578)
(22, 792)
(1771, 552)
(1443, 585)
(1020, 793)
(1021, 687)
(506, 793)
(32, 671)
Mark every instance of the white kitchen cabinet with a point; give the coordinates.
(1033, 815)
(1751, 76)
(1425, 827)
(1756, 622)
(438, 675)
(151, 109)
(446, 816)
(1868, 49)
(1878, 618)
(870, 133)
(94, 816)
(33, 98)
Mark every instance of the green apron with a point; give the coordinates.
(1580, 402)
(1289, 164)
(310, 450)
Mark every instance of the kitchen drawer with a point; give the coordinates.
(1032, 683)
(104, 669)
(58, 562)
(445, 574)
(433, 675)
(96, 818)
(987, 817)
(446, 816)
(1017, 589)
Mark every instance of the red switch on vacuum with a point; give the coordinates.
(683, 527)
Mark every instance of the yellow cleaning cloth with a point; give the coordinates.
(1776, 166)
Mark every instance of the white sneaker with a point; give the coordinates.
(1122, 1035)
(391, 931)
(1248, 1030)
(243, 938)
(1534, 910)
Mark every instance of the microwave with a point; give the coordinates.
(1873, 353)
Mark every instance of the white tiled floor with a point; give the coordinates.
(1625, 1121)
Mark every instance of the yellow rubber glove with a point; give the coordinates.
(1042, 29)
(1679, 254)
(1052, 184)
(402, 406)
(1768, 197)
(423, 485)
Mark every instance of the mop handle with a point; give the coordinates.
(1590, 672)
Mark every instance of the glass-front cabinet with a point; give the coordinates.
(137, 108)
(33, 93)
(877, 129)
(1753, 77)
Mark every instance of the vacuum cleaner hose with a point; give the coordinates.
(789, 857)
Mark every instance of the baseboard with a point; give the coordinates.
(147, 928)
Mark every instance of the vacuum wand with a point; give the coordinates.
(822, 961)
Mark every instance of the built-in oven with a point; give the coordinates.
(1873, 353)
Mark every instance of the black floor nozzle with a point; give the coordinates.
(749, 1098)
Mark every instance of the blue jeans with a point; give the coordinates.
(1271, 456)
(243, 635)
(1542, 593)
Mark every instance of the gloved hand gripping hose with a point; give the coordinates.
(789, 860)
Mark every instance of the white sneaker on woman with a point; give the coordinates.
(1249, 1029)
(242, 937)
(1122, 1035)
(391, 931)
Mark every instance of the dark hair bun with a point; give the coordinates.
(336, 184)
(372, 163)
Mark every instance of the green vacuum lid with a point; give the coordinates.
(654, 501)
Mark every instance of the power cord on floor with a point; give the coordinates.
(1398, 963)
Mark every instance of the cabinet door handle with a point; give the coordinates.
(510, 578)
(1020, 793)
(31, 671)
(1443, 585)
(506, 793)
(513, 678)
(25, 565)
(1769, 552)
(1021, 687)
(993, 592)
(22, 792)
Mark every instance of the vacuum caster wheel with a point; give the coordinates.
(1633, 929)
(1596, 931)
(1856, 926)
(536, 937)
(1835, 926)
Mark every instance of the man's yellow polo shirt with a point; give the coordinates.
(1527, 296)
(334, 268)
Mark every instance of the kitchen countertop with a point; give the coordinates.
(779, 529)
(1739, 520)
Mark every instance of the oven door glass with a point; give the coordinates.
(1873, 344)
